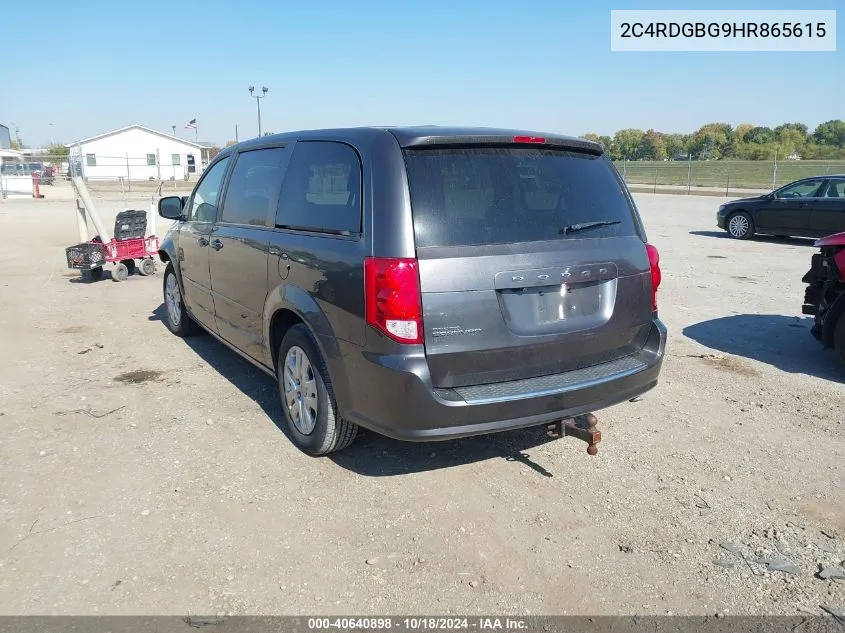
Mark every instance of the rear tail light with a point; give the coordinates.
(393, 301)
(654, 265)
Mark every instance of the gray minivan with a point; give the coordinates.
(425, 283)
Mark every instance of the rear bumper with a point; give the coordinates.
(394, 395)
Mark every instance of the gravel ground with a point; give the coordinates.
(145, 474)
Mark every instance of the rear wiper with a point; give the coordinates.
(572, 228)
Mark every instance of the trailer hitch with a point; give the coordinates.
(582, 427)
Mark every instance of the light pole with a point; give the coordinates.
(258, 98)
(174, 129)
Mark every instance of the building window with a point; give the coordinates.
(175, 160)
(91, 160)
(151, 160)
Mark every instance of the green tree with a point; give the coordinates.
(791, 137)
(57, 150)
(604, 141)
(831, 133)
(676, 145)
(652, 146)
(626, 144)
(759, 135)
(713, 140)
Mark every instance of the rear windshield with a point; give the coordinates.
(489, 195)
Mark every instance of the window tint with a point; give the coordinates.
(486, 195)
(806, 189)
(254, 186)
(836, 188)
(207, 196)
(322, 189)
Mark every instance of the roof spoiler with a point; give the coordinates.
(580, 145)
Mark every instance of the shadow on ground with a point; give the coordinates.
(792, 241)
(371, 454)
(781, 341)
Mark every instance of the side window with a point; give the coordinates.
(207, 196)
(805, 189)
(322, 189)
(835, 188)
(254, 186)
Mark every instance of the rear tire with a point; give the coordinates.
(176, 317)
(839, 338)
(308, 402)
(740, 226)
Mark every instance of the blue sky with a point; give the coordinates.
(89, 67)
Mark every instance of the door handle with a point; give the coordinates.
(203, 241)
(801, 205)
(216, 245)
(275, 250)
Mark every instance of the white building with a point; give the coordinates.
(136, 152)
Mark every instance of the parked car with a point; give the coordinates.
(414, 281)
(824, 297)
(810, 207)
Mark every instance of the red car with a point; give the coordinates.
(824, 297)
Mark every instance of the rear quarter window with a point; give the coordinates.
(322, 189)
(490, 195)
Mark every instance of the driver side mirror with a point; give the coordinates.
(170, 208)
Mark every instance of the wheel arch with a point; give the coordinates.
(287, 306)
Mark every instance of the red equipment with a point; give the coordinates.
(129, 244)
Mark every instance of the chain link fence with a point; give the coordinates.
(113, 176)
(124, 176)
(720, 177)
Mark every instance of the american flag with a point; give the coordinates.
(191, 124)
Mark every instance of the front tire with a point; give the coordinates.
(308, 402)
(148, 267)
(176, 317)
(740, 226)
(120, 272)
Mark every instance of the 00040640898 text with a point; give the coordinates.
(417, 623)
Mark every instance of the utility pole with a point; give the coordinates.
(174, 129)
(236, 132)
(258, 97)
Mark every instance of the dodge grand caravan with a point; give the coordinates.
(425, 283)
